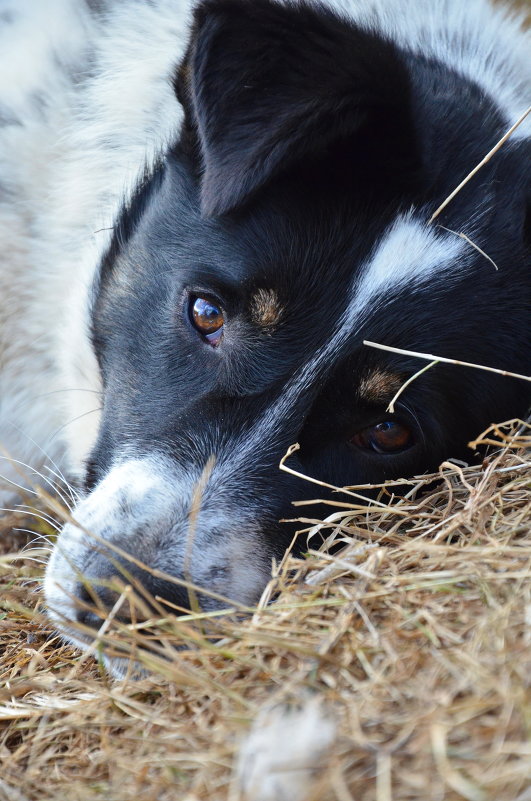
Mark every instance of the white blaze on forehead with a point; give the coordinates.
(410, 253)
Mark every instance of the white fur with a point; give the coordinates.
(139, 486)
(283, 753)
(33, 103)
(410, 253)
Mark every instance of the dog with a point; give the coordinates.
(205, 211)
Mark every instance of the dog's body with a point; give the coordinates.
(200, 229)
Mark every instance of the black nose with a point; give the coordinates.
(101, 588)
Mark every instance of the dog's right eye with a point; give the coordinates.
(388, 437)
(207, 318)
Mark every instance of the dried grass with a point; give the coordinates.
(400, 666)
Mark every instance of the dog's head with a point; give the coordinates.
(288, 224)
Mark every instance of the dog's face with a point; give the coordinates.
(286, 226)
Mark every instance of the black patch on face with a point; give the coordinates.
(280, 184)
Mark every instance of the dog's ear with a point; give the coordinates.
(265, 83)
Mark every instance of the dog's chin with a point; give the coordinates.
(124, 669)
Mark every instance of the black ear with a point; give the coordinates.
(266, 82)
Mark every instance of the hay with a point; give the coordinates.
(396, 668)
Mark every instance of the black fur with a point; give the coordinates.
(265, 86)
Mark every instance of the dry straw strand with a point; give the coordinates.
(483, 161)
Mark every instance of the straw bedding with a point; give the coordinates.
(396, 668)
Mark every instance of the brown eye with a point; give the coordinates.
(386, 437)
(207, 318)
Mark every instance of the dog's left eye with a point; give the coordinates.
(207, 318)
(386, 437)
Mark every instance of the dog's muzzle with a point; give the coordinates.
(136, 531)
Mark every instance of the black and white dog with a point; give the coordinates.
(204, 212)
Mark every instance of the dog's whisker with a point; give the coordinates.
(72, 492)
(31, 512)
(11, 483)
(37, 560)
(54, 486)
(41, 450)
(38, 544)
(71, 389)
(74, 420)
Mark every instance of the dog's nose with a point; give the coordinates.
(94, 603)
(100, 592)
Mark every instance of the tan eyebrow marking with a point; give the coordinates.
(266, 308)
(379, 385)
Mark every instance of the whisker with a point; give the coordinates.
(41, 449)
(73, 389)
(37, 537)
(38, 560)
(74, 420)
(21, 530)
(408, 409)
(73, 493)
(12, 483)
(40, 543)
(25, 510)
(55, 487)
(46, 518)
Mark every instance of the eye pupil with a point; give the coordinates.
(207, 318)
(386, 427)
(386, 437)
